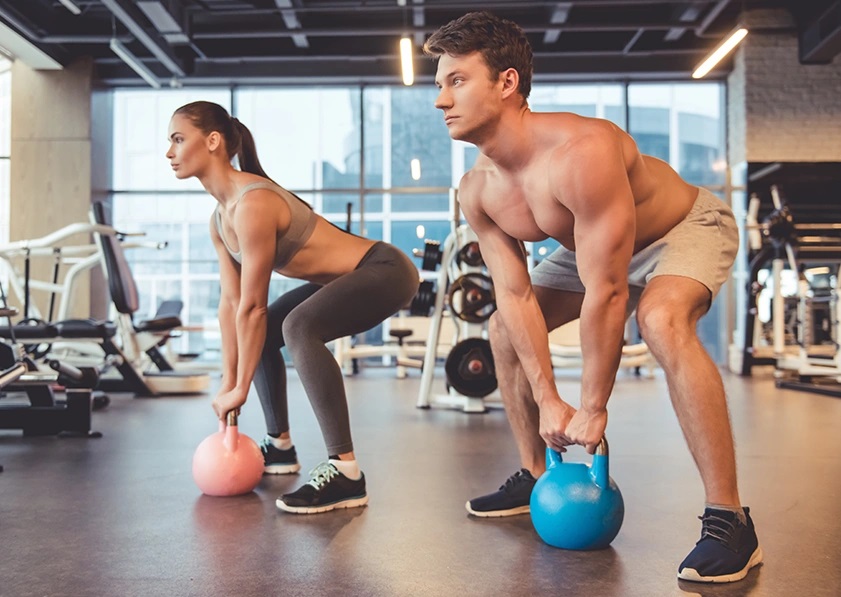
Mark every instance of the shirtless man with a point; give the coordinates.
(633, 235)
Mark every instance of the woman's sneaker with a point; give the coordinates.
(512, 498)
(328, 489)
(726, 551)
(278, 462)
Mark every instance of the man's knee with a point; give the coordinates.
(662, 326)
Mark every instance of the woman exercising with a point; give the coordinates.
(352, 284)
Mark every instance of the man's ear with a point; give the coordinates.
(214, 140)
(510, 82)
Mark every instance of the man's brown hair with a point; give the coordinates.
(502, 44)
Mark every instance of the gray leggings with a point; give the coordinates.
(306, 318)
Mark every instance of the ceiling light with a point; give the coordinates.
(134, 62)
(71, 7)
(406, 61)
(415, 167)
(720, 52)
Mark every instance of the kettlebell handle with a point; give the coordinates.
(599, 470)
(231, 440)
(554, 457)
(601, 449)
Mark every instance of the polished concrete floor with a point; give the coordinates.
(121, 516)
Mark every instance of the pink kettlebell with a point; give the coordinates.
(227, 462)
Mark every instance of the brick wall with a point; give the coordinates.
(779, 109)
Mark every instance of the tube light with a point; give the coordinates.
(720, 52)
(132, 61)
(71, 7)
(406, 61)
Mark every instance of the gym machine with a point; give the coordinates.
(801, 332)
(465, 289)
(86, 341)
(44, 414)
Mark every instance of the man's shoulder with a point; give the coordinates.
(479, 175)
(562, 129)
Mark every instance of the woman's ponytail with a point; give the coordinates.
(246, 150)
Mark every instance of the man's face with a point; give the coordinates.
(469, 98)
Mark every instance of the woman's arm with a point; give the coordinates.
(229, 277)
(259, 216)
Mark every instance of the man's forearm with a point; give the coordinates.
(529, 337)
(602, 336)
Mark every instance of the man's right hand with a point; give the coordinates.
(555, 415)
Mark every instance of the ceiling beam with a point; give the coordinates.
(130, 16)
(688, 14)
(385, 70)
(419, 20)
(560, 14)
(820, 41)
(291, 20)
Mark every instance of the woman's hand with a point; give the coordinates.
(227, 401)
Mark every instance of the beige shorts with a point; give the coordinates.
(702, 247)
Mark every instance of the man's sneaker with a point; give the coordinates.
(328, 489)
(726, 551)
(278, 462)
(512, 498)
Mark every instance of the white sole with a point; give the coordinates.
(692, 575)
(352, 503)
(498, 513)
(281, 469)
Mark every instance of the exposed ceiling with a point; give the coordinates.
(246, 42)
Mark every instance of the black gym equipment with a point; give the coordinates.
(424, 300)
(431, 255)
(44, 414)
(464, 291)
(470, 255)
(804, 331)
(470, 368)
(471, 297)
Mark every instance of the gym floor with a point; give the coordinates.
(120, 515)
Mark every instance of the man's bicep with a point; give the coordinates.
(505, 260)
(603, 250)
(597, 191)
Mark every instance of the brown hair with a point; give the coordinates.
(502, 44)
(209, 117)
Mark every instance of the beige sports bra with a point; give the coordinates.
(290, 242)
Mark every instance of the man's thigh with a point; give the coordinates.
(558, 306)
(702, 247)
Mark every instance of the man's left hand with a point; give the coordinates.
(586, 428)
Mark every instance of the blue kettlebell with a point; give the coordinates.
(575, 506)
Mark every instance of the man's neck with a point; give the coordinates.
(511, 144)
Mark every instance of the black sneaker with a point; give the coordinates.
(277, 461)
(512, 498)
(726, 551)
(326, 490)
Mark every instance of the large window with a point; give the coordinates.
(5, 143)
(351, 147)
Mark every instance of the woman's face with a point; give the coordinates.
(188, 152)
